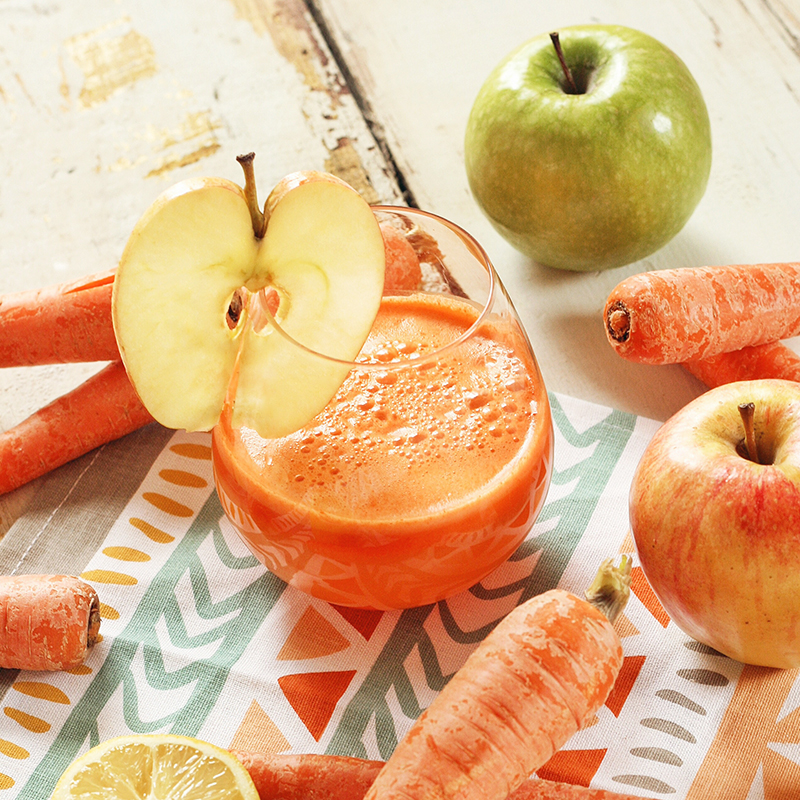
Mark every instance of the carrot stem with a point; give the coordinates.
(47, 622)
(103, 408)
(611, 588)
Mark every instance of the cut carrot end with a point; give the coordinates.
(618, 322)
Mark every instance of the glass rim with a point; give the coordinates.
(473, 247)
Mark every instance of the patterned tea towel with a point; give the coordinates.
(199, 639)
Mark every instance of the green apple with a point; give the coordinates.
(216, 302)
(595, 176)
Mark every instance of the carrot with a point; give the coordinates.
(676, 315)
(535, 680)
(312, 776)
(403, 270)
(772, 360)
(67, 322)
(103, 408)
(556, 790)
(309, 776)
(47, 622)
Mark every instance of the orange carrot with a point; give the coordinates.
(676, 315)
(309, 776)
(773, 360)
(47, 622)
(103, 408)
(556, 790)
(67, 322)
(535, 680)
(324, 777)
(403, 271)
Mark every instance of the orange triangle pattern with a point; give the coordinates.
(364, 620)
(628, 545)
(258, 733)
(631, 666)
(313, 636)
(624, 627)
(642, 589)
(314, 695)
(577, 767)
(781, 777)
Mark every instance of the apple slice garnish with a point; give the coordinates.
(212, 297)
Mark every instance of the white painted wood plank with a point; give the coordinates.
(421, 63)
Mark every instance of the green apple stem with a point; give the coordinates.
(747, 411)
(571, 86)
(256, 215)
(611, 588)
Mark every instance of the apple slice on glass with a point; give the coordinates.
(217, 303)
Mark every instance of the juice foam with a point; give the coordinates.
(413, 453)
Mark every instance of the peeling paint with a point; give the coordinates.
(293, 36)
(110, 63)
(344, 162)
(24, 88)
(185, 160)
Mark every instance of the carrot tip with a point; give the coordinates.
(610, 589)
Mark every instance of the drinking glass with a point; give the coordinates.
(430, 465)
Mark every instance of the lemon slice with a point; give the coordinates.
(156, 767)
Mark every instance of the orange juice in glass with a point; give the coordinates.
(428, 468)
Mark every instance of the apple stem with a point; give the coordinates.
(554, 38)
(257, 216)
(747, 411)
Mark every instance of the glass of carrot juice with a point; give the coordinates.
(429, 466)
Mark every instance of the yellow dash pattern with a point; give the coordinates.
(41, 691)
(6, 781)
(191, 450)
(81, 669)
(13, 750)
(151, 532)
(167, 504)
(182, 478)
(108, 612)
(125, 554)
(109, 576)
(28, 721)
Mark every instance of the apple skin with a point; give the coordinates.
(718, 535)
(595, 180)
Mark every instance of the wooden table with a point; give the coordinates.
(104, 105)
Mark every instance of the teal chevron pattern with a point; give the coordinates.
(563, 522)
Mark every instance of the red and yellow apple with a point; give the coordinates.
(206, 275)
(715, 516)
